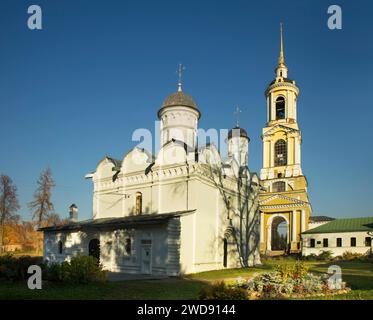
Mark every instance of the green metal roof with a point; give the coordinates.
(344, 225)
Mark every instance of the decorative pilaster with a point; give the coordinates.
(294, 226)
(262, 227)
(303, 221)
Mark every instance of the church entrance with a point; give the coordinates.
(279, 234)
(146, 256)
(94, 249)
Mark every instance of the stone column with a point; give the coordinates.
(297, 150)
(265, 153)
(271, 153)
(262, 227)
(269, 238)
(294, 227)
(303, 221)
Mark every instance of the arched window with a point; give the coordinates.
(280, 153)
(127, 246)
(60, 247)
(138, 203)
(280, 108)
(278, 186)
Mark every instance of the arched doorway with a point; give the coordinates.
(279, 234)
(94, 249)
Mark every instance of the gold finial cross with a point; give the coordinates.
(237, 114)
(180, 70)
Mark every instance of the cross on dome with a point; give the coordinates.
(180, 70)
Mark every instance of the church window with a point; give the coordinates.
(60, 247)
(278, 186)
(127, 246)
(368, 241)
(312, 243)
(225, 252)
(325, 243)
(280, 108)
(339, 242)
(280, 153)
(353, 242)
(138, 203)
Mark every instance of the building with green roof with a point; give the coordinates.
(338, 236)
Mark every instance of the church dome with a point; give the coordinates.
(243, 133)
(178, 99)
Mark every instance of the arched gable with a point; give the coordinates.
(171, 153)
(136, 159)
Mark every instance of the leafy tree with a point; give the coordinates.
(8, 204)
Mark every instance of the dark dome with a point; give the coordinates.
(243, 133)
(179, 99)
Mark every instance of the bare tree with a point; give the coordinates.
(42, 206)
(54, 219)
(8, 204)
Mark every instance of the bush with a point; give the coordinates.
(220, 291)
(297, 270)
(325, 255)
(80, 269)
(15, 269)
(273, 285)
(350, 256)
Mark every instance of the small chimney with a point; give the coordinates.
(73, 213)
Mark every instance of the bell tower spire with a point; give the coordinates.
(281, 70)
(281, 60)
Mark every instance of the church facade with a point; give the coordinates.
(283, 200)
(185, 210)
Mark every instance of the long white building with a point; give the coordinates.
(339, 236)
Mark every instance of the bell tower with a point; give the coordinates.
(284, 200)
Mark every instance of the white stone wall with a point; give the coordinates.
(164, 239)
(332, 241)
(191, 243)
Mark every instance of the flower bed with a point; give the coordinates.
(289, 281)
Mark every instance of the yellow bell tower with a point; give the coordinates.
(284, 203)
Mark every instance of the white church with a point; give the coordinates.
(187, 209)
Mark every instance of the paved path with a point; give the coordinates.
(118, 276)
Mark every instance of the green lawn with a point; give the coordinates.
(358, 275)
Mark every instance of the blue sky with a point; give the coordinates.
(76, 90)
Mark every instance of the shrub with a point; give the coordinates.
(297, 270)
(284, 281)
(350, 256)
(325, 255)
(80, 269)
(220, 291)
(15, 269)
(369, 257)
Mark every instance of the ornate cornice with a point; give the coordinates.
(289, 85)
(278, 127)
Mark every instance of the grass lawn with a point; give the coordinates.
(358, 275)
